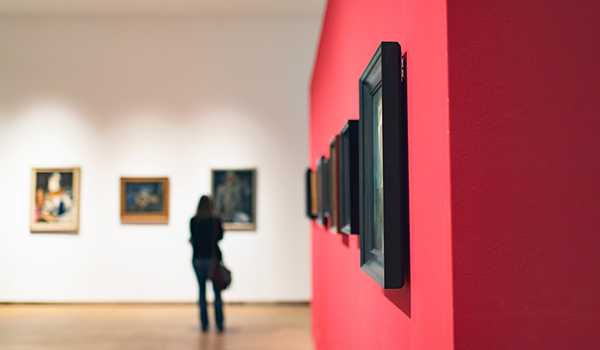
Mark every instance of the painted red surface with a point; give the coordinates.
(350, 311)
(525, 125)
(504, 176)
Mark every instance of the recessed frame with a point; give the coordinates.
(334, 190)
(323, 193)
(384, 210)
(348, 185)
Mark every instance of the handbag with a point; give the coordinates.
(219, 274)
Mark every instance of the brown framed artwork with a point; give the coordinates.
(334, 157)
(234, 196)
(55, 200)
(144, 200)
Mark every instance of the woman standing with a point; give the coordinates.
(206, 231)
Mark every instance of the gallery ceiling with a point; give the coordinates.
(162, 7)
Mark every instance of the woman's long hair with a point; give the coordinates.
(205, 208)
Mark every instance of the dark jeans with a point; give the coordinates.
(202, 267)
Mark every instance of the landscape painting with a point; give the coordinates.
(144, 200)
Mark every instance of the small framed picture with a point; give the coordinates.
(348, 187)
(334, 157)
(323, 193)
(55, 200)
(144, 200)
(314, 191)
(384, 211)
(310, 186)
(234, 196)
(319, 192)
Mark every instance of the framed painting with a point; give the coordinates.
(55, 200)
(310, 186)
(144, 200)
(348, 187)
(334, 149)
(319, 182)
(384, 211)
(323, 193)
(314, 198)
(234, 194)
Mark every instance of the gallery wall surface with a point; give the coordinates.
(350, 310)
(524, 128)
(165, 96)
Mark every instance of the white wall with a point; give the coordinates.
(145, 97)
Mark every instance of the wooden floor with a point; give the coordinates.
(148, 327)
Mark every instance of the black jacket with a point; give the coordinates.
(205, 235)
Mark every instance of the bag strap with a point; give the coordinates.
(215, 235)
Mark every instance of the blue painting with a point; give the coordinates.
(145, 197)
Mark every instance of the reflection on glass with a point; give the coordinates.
(378, 172)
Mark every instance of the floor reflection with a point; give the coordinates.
(150, 327)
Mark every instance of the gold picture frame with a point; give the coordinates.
(144, 200)
(55, 200)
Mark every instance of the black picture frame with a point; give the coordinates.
(384, 205)
(309, 183)
(334, 192)
(323, 185)
(348, 185)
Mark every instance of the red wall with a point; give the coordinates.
(525, 122)
(350, 311)
(504, 176)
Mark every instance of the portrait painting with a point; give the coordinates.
(55, 200)
(144, 200)
(234, 195)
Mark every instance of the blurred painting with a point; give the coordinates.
(55, 200)
(311, 186)
(144, 200)
(234, 194)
